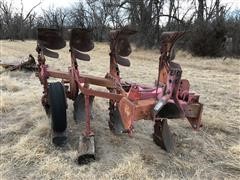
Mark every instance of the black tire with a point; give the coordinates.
(57, 102)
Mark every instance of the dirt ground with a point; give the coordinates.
(211, 153)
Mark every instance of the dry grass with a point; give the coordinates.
(212, 153)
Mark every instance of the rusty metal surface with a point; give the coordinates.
(133, 111)
(86, 149)
(122, 61)
(162, 135)
(49, 53)
(144, 109)
(123, 31)
(99, 81)
(89, 79)
(196, 118)
(128, 102)
(168, 39)
(81, 40)
(51, 38)
(123, 47)
(79, 113)
(140, 92)
(79, 55)
(183, 90)
(107, 95)
(127, 112)
(115, 120)
(192, 110)
(29, 65)
(57, 74)
(120, 46)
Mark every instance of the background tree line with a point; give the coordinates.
(212, 29)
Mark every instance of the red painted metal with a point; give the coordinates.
(169, 98)
(88, 131)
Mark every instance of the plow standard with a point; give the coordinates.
(169, 98)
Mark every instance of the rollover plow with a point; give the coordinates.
(169, 98)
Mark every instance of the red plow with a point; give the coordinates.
(169, 98)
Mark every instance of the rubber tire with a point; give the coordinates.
(58, 106)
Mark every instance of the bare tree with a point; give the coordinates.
(78, 15)
(201, 10)
(13, 24)
(55, 18)
(6, 14)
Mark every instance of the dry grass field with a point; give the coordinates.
(212, 153)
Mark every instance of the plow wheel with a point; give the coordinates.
(162, 135)
(57, 111)
(115, 121)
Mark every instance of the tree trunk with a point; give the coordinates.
(200, 10)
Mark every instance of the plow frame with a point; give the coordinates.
(169, 98)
